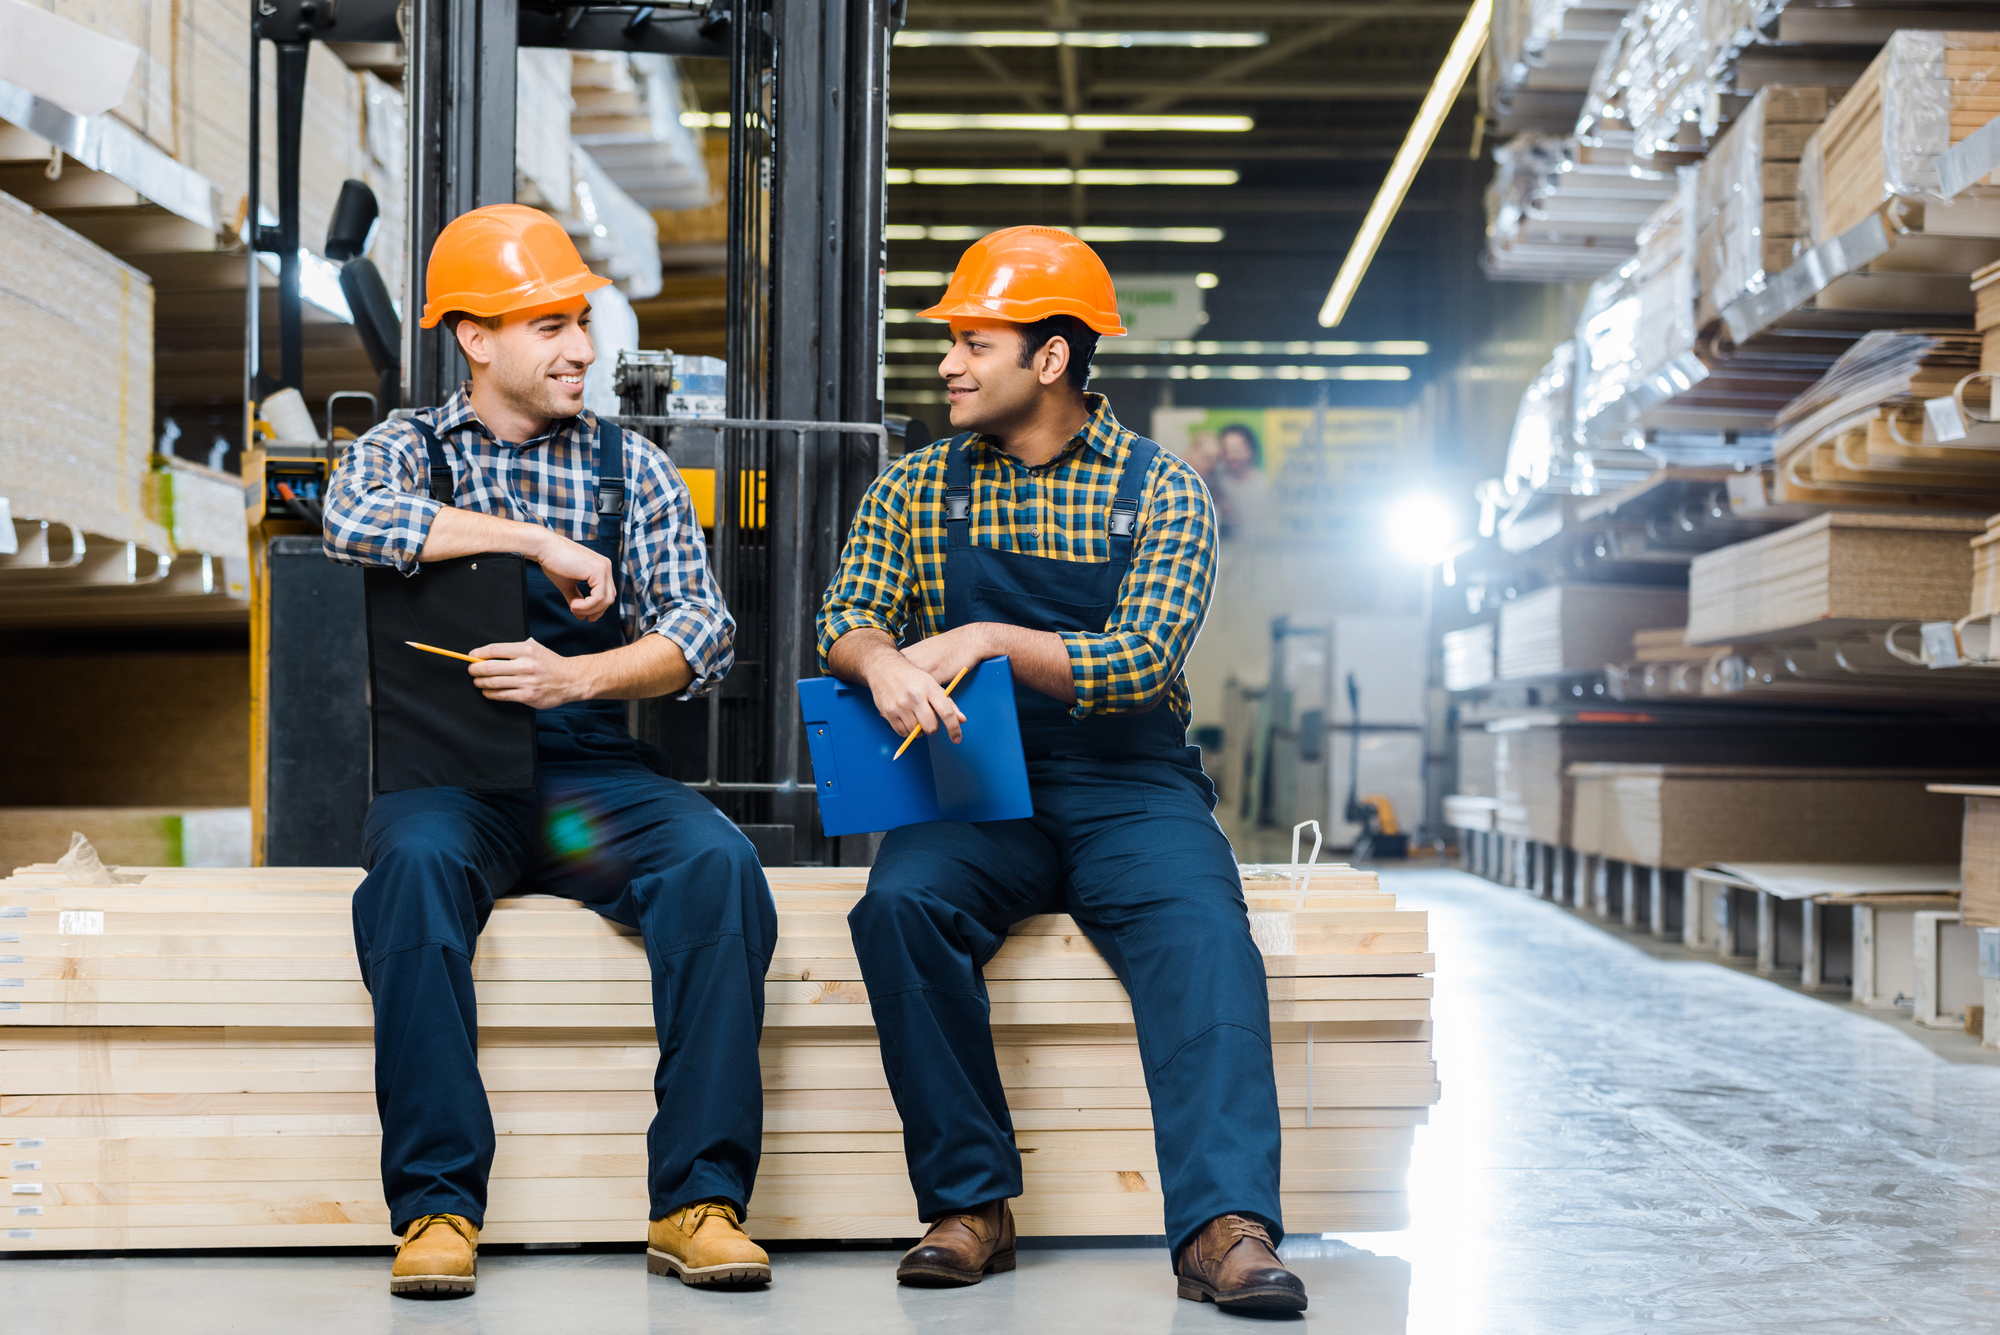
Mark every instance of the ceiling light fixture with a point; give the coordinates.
(1034, 37)
(1059, 176)
(1444, 91)
(1057, 121)
(705, 120)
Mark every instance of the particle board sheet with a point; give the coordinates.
(1835, 569)
(185, 1060)
(1468, 657)
(1580, 627)
(75, 446)
(1683, 816)
(1979, 852)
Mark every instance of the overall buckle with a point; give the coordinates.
(611, 498)
(957, 504)
(1124, 519)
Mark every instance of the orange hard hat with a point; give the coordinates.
(1025, 274)
(504, 257)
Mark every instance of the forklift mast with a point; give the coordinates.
(806, 266)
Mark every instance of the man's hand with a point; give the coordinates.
(579, 574)
(906, 696)
(530, 674)
(951, 652)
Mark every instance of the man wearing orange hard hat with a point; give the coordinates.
(624, 609)
(1047, 532)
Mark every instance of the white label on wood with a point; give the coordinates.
(13, 959)
(27, 1209)
(10, 1005)
(12, 911)
(80, 922)
(13, 982)
(26, 1188)
(27, 1165)
(20, 1235)
(9, 938)
(30, 1143)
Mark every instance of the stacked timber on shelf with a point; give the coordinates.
(1986, 314)
(187, 1063)
(1539, 63)
(1748, 222)
(1680, 816)
(1468, 657)
(1833, 573)
(1979, 852)
(1861, 436)
(1579, 627)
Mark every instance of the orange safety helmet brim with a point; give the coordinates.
(500, 259)
(1025, 274)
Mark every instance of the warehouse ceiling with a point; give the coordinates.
(1327, 90)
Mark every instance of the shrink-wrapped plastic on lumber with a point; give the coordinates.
(75, 444)
(1636, 338)
(1922, 94)
(1746, 194)
(1539, 448)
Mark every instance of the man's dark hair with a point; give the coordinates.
(1082, 340)
(452, 318)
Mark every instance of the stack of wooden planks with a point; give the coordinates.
(1979, 852)
(1683, 816)
(1986, 313)
(1747, 216)
(1860, 436)
(1579, 627)
(1833, 572)
(185, 1061)
(1922, 94)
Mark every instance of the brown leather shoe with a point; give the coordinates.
(961, 1249)
(1231, 1263)
(437, 1258)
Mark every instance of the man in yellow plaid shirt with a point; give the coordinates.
(1085, 554)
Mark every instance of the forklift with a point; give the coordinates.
(805, 432)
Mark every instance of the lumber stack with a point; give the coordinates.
(1468, 657)
(1748, 222)
(1833, 572)
(1979, 853)
(1861, 436)
(1923, 93)
(1682, 816)
(1579, 627)
(1986, 313)
(186, 1063)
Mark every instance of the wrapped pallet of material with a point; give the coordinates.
(1986, 314)
(75, 446)
(1538, 66)
(1635, 342)
(385, 167)
(1538, 452)
(1666, 68)
(1922, 94)
(542, 110)
(627, 118)
(149, 105)
(1747, 194)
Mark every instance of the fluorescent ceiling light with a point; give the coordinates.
(989, 120)
(1451, 77)
(1203, 371)
(1059, 176)
(1206, 281)
(919, 232)
(705, 120)
(1037, 37)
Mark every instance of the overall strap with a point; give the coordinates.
(611, 478)
(958, 495)
(1122, 522)
(439, 461)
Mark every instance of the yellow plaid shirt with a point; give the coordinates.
(891, 574)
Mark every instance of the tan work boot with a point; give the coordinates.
(703, 1244)
(437, 1258)
(1232, 1264)
(961, 1248)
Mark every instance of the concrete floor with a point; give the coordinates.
(1627, 1143)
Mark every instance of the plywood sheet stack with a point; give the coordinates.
(1579, 627)
(1689, 815)
(186, 1063)
(1922, 94)
(1979, 853)
(1861, 436)
(75, 443)
(1833, 572)
(1468, 657)
(1747, 189)
(1986, 313)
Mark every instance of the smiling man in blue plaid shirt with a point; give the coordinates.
(1083, 553)
(624, 608)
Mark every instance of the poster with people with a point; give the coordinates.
(1286, 472)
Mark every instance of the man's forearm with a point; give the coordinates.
(651, 666)
(856, 652)
(1039, 658)
(456, 532)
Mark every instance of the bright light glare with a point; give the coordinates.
(1045, 37)
(1416, 147)
(705, 120)
(1421, 527)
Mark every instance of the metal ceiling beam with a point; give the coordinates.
(1230, 71)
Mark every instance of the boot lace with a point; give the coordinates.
(422, 1226)
(699, 1213)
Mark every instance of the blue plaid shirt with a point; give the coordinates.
(379, 512)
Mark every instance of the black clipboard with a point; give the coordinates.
(430, 727)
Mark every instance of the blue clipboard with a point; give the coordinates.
(860, 787)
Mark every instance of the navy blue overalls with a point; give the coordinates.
(607, 829)
(1121, 838)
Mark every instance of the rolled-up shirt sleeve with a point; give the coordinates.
(1132, 664)
(667, 560)
(875, 587)
(377, 512)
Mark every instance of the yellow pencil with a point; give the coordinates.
(433, 649)
(918, 730)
